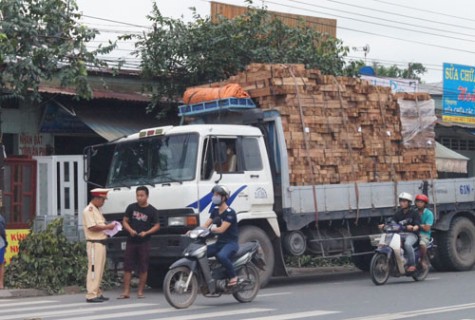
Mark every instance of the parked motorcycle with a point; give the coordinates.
(195, 272)
(389, 259)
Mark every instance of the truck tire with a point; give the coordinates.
(436, 261)
(156, 275)
(294, 243)
(457, 247)
(249, 233)
(362, 262)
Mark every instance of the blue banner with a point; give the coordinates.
(458, 102)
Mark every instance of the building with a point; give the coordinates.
(322, 25)
(37, 134)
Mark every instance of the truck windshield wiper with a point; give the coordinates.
(169, 178)
(148, 182)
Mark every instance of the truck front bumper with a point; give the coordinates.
(164, 249)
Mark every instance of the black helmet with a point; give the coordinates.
(222, 190)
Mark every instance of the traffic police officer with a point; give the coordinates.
(94, 225)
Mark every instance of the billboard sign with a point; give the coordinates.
(396, 84)
(458, 101)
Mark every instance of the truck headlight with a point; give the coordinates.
(176, 221)
(189, 221)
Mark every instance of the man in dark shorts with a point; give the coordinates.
(140, 221)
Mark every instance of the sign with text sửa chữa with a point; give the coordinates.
(458, 101)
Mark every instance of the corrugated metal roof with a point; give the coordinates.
(448, 160)
(98, 94)
(112, 124)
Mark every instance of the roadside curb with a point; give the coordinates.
(30, 293)
(320, 270)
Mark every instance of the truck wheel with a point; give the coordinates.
(458, 245)
(294, 243)
(250, 233)
(362, 262)
(156, 274)
(436, 261)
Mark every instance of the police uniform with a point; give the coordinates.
(96, 248)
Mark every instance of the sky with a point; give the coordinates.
(397, 32)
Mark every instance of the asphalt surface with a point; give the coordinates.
(328, 296)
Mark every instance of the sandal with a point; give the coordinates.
(232, 282)
(123, 296)
(140, 296)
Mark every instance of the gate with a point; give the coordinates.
(20, 192)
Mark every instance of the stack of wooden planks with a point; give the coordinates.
(338, 129)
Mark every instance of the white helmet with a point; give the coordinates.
(405, 196)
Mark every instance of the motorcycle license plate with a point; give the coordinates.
(122, 246)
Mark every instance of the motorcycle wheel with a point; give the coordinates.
(249, 287)
(379, 269)
(421, 273)
(174, 285)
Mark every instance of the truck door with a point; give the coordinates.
(220, 165)
(256, 172)
(237, 162)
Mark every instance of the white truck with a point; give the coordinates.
(244, 148)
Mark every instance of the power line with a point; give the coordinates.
(366, 32)
(423, 10)
(398, 14)
(387, 20)
(118, 22)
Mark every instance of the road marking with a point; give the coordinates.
(85, 309)
(6, 308)
(273, 294)
(414, 313)
(131, 314)
(29, 303)
(296, 315)
(216, 314)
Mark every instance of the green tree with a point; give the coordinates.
(413, 71)
(177, 55)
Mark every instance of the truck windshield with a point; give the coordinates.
(154, 160)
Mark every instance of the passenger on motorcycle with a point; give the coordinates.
(407, 214)
(227, 229)
(427, 220)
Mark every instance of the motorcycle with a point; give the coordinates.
(389, 259)
(195, 272)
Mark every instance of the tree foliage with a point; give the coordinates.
(178, 55)
(413, 70)
(48, 261)
(41, 40)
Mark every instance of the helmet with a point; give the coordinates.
(422, 197)
(405, 196)
(222, 190)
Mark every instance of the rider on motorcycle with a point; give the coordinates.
(407, 214)
(225, 219)
(427, 220)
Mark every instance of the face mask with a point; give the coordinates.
(216, 200)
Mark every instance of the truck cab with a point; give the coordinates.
(180, 165)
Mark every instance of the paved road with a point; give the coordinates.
(323, 297)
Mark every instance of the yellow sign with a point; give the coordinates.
(459, 119)
(14, 236)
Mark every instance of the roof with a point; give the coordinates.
(433, 88)
(448, 160)
(124, 86)
(98, 94)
